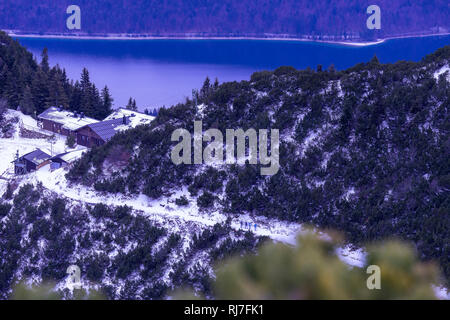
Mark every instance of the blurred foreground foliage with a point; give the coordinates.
(47, 291)
(313, 270)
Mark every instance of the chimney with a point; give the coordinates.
(124, 120)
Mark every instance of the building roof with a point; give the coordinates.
(67, 119)
(69, 157)
(37, 156)
(135, 118)
(107, 129)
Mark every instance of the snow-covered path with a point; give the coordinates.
(164, 208)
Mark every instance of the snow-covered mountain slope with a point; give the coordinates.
(186, 224)
(172, 221)
(364, 151)
(164, 208)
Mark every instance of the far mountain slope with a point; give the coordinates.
(321, 19)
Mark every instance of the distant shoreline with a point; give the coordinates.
(189, 37)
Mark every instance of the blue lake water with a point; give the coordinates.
(164, 72)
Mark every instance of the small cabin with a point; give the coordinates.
(30, 162)
(64, 159)
(58, 161)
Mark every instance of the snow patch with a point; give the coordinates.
(441, 71)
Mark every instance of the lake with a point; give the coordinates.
(164, 72)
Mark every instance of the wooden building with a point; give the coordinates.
(31, 162)
(62, 121)
(135, 118)
(64, 159)
(90, 132)
(97, 134)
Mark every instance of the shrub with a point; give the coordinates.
(4, 209)
(182, 201)
(206, 200)
(100, 211)
(9, 192)
(70, 142)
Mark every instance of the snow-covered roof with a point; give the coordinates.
(69, 120)
(108, 128)
(135, 118)
(70, 157)
(37, 157)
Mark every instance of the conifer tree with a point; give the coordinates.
(26, 103)
(107, 101)
(9, 192)
(44, 62)
(332, 68)
(206, 88)
(131, 104)
(85, 79)
(86, 93)
(40, 92)
(374, 61)
(58, 96)
(3, 108)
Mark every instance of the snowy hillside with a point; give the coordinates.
(363, 151)
(178, 225)
(184, 222)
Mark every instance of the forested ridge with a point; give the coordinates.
(364, 150)
(332, 20)
(33, 86)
